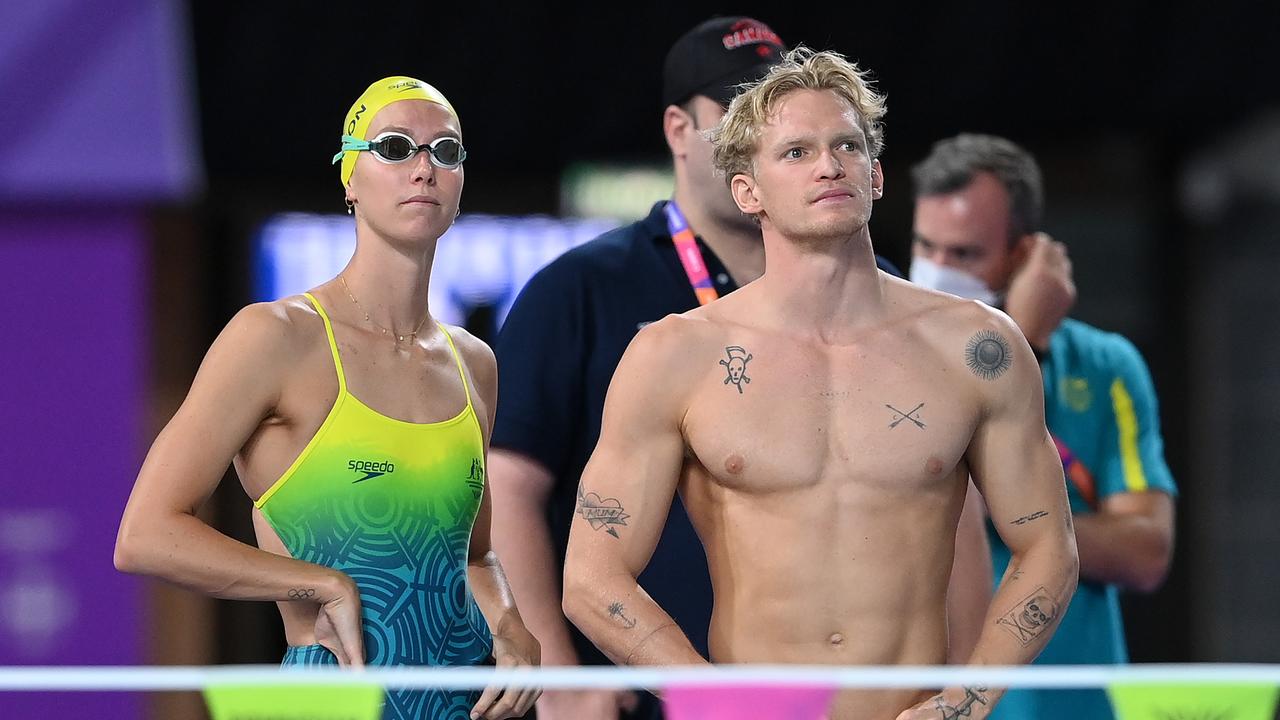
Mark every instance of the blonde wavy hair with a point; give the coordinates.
(736, 138)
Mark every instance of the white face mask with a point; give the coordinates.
(929, 274)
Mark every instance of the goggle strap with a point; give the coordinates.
(349, 142)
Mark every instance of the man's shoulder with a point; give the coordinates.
(601, 273)
(664, 349)
(940, 315)
(678, 330)
(1087, 348)
(980, 345)
(613, 252)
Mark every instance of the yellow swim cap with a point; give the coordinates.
(377, 96)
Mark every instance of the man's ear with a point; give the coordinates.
(745, 193)
(877, 180)
(676, 126)
(1020, 252)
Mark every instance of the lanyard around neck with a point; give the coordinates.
(690, 256)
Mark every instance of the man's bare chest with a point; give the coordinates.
(781, 418)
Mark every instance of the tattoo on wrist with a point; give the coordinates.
(736, 366)
(618, 612)
(606, 513)
(912, 415)
(302, 593)
(1028, 518)
(1031, 617)
(988, 355)
(964, 708)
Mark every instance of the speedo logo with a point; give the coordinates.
(370, 468)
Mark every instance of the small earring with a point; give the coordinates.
(350, 206)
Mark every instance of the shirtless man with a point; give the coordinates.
(821, 424)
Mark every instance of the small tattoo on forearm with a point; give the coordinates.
(988, 355)
(1028, 518)
(1030, 618)
(913, 415)
(301, 593)
(965, 708)
(600, 512)
(644, 640)
(618, 612)
(736, 366)
(1016, 574)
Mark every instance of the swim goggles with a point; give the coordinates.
(393, 147)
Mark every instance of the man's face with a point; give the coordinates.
(814, 177)
(411, 200)
(968, 230)
(704, 184)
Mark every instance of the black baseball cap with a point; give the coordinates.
(715, 57)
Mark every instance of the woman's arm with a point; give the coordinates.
(237, 386)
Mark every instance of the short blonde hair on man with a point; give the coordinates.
(735, 139)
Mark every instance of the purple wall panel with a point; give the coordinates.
(73, 338)
(99, 101)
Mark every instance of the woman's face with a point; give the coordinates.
(415, 200)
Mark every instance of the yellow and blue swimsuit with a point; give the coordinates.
(391, 504)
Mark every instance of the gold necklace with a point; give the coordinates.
(385, 331)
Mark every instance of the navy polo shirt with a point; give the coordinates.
(557, 351)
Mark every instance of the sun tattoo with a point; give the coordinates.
(988, 355)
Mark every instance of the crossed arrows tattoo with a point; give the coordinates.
(908, 415)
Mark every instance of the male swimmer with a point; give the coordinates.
(821, 425)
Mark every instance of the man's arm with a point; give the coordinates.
(1014, 463)
(623, 501)
(1129, 540)
(1042, 290)
(1016, 467)
(239, 383)
(542, 351)
(522, 535)
(541, 355)
(969, 592)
